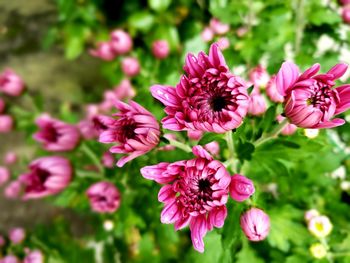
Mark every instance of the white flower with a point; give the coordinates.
(311, 133)
(339, 173)
(345, 185)
(318, 250)
(320, 226)
(108, 225)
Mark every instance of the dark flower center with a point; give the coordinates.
(129, 130)
(50, 134)
(217, 103)
(321, 97)
(204, 185)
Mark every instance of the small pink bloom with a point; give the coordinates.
(34, 256)
(311, 214)
(241, 31)
(311, 101)
(346, 14)
(121, 41)
(4, 175)
(257, 104)
(56, 135)
(194, 135)
(17, 235)
(124, 90)
(134, 129)
(10, 158)
(208, 98)
(2, 105)
(207, 34)
(272, 92)
(6, 123)
(13, 189)
(241, 188)
(10, 83)
(47, 176)
(223, 43)
(108, 160)
(194, 193)
(218, 27)
(2, 241)
(289, 129)
(104, 197)
(160, 49)
(131, 66)
(9, 259)
(104, 51)
(213, 148)
(255, 224)
(259, 76)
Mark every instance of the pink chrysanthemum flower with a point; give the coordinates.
(208, 98)
(104, 197)
(255, 224)
(272, 92)
(56, 135)
(195, 192)
(47, 176)
(310, 99)
(259, 76)
(135, 130)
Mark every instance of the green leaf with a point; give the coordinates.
(159, 5)
(269, 118)
(209, 137)
(324, 16)
(247, 254)
(245, 150)
(142, 21)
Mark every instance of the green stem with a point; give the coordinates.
(231, 148)
(300, 25)
(325, 244)
(180, 145)
(273, 134)
(93, 157)
(341, 254)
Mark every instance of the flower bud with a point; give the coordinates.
(223, 43)
(34, 256)
(130, 66)
(218, 27)
(318, 250)
(17, 235)
(10, 83)
(103, 51)
(10, 259)
(255, 224)
(257, 104)
(6, 123)
(121, 41)
(10, 158)
(13, 189)
(4, 175)
(207, 34)
(241, 188)
(160, 49)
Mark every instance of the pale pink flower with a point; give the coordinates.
(160, 49)
(213, 148)
(309, 214)
(104, 51)
(6, 123)
(47, 176)
(17, 235)
(241, 31)
(259, 76)
(9, 259)
(218, 27)
(241, 188)
(121, 41)
(257, 104)
(346, 14)
(208, 98)
(56, 135)
(92, 125)
(4, 175)
(310, 99)
(2, 105)
(223, 43)
(10, 83)
(272, 92)
(133, 128)
(194, 193)
(108, 160)
(207, 34)
(104, 197)
(255, 224)
(131, 66)
(10, 158)
(34, 256)
(289, 129)
(13, 189)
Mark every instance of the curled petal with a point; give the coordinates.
(338, 70)
(198, 227)
(286, 77)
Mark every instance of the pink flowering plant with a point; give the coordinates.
(176, 131)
